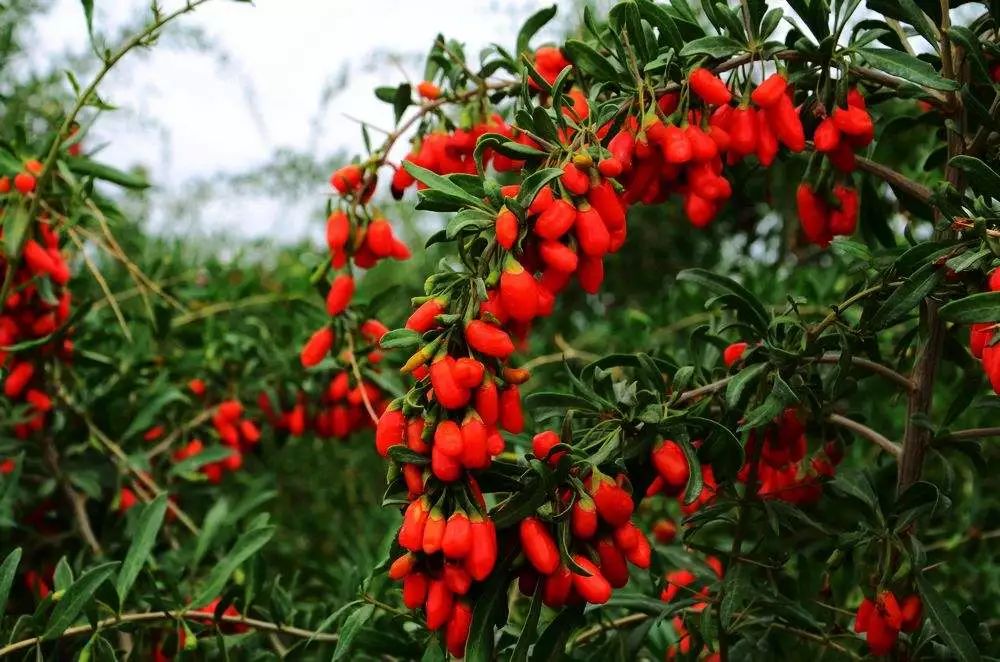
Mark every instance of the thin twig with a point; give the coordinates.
(226, 306)
(99, 277)
(77, 502)
(616, 624)
(172, 438)
(971, 433)
(703, 390)
(140, 476)
(177, 615)
(877, 368)
(897, 180)
(356, 369)
(82, 100)
(890, 447)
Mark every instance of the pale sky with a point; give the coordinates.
(186, 114)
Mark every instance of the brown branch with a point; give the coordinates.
(172, 438)
(177, 615)
(834, 315)
(916, 437)
(616, 624)
(711, 387)
(356, 369)
(972, 433)
(77, 502)
(897, 180)
(890, 447)
(142, 477)
(877, 368)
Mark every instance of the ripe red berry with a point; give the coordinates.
(24, 182)
(428, 90)
(733, 353)
(339, 296)
(672, 465)
(317, 347)
(709, 87)
(506, 228)
(389, 430)
(595, 589)
(422, 319)
(511, 414)
(575, 180)
(457, 632)
(614, 504)
(414, 590)
(518, 291)
(583, 518)
(556, 220)
(439, 604)
(488, 339)
(827, 136)
(769, 92)
(539, 546)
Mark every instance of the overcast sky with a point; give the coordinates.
(187, 114)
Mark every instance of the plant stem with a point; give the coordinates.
(917, 436)
(77, 502)
(81, 101)
(877, 368)
(176, 615)
(878, 439)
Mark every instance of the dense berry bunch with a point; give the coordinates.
(34, 315)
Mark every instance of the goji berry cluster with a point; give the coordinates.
(38, 305)
(981, 339)
(601, 537)
(882, 619)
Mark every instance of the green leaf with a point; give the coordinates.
(142, 543)
(540, 399)
(76, 598)
(246, 545)
(214, 518)
(15, 223)
(7, 570)
(401, 100)
(743, 379)
(81, 165)
(530, 627)
(982, 307)
(534, 183)
(551, 645)
(716, 46)
(907, 296)
(734, 592)
(984, 179)
(486, 613)
(907, 67)
(534, 23)
(748, 307)
(63, 576)
(399, 338)
(404, 455)
(88, 15)
(919, 20)
(590, 61)
(946, 623)
(661, 19)
(474, 220)
(145, 417)
(438, 183)
(696, 483)
(350, 629)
